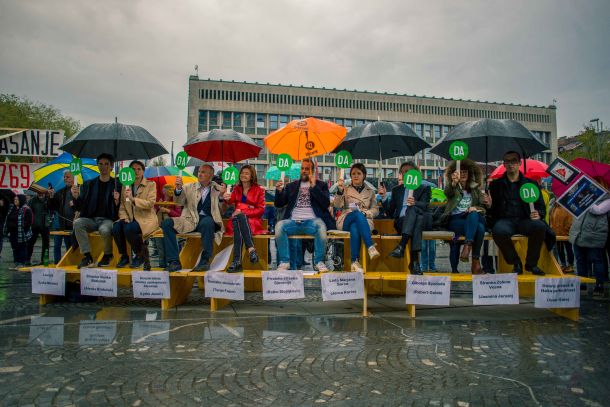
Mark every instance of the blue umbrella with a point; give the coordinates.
(53, 171)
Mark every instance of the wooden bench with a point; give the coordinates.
(383, 276)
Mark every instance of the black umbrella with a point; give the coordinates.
(123, 141)
(489, 139)
(382, 140)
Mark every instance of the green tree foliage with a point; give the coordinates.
(22, 113)
(595, 146)
(159, 162)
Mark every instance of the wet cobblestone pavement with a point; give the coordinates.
(127, 352)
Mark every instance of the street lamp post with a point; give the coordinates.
(598, 140)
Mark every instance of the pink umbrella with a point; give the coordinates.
(600, 172)
(535, 170)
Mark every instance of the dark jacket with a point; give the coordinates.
(86, 202)
(394, 206)
(499, 191)
(320, 201)
(57, 204)
(40, 208)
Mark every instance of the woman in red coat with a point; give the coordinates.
(247, 219)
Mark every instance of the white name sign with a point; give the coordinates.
(342, 286)
(224, 285)
(491, 289)
(48, 281)
(557, 293)
(150, 284)
(283, 285)
(39, 143)
(428, 290)
(97, 282)
(96, 332)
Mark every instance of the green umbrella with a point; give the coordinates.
(437, 195)
(273, 173)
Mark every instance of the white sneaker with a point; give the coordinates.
(283, 266)
(373, 253)
(321, 267)
(357, 266)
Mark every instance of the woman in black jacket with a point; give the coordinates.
(18, 226)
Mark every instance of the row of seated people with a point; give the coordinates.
(128, 215)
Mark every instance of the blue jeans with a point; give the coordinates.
(428, 255)
(589, 259)
(472, 227)
(206, 227)
(57, 240)
(355, 222)
(289, 227)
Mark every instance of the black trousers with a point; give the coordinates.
(241, 235)
(44, 233)
(535, 230)
(411, 224)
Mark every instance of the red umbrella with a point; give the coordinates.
(600, 172)
(535, 170)
(222, 145)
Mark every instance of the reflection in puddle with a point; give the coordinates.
(47, 331)
(96, 332)
(150, 331)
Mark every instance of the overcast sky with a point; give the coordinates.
(98, 59)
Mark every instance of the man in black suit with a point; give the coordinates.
(307, 201)
(408, 214)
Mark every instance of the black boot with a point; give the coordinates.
(235, 267)
(415, 268)
(518, 268)
(253, 257)
(535, 270)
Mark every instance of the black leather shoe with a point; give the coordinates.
(235, 267)
(253, 257)
(105, 262)
(204, 265)
(86, 261)
(174, 266)
(535, 271)
(136, 263)
(398, 252)
(518, 268)
(123, 261)
(415, 269)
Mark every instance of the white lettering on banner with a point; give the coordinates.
(491, 289)
(17, 175)
(428, 290)
(98, 282)
(283, 285)
(342, 286)
(557, 292)
(39, 143)
(150, 331)
(48, 281)
(150, 284)
(47, 331)
(224, 285)
(96, 332)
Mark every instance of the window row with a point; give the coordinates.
(362, 104)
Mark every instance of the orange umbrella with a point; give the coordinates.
(305, 138)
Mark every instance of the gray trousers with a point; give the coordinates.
(84, 226)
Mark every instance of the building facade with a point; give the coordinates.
(259, 109)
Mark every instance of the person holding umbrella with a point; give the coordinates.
(137, 218)
(201, 203)
(98, 204)
(247, 218)
(358, 209)
(307, 201)
(511, 216)
(408, 214)
(465, 209)
(62, 203)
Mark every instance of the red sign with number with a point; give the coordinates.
(16, 175)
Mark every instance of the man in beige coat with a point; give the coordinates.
(137, 219)
(200, 213)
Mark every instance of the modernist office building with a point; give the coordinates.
(258, 109)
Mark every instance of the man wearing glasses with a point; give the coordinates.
(512, 216)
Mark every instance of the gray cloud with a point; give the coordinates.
(97, 60)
